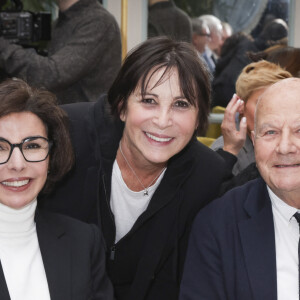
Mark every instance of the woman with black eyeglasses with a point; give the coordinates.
(42, 255)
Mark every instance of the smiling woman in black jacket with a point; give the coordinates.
(140, 173)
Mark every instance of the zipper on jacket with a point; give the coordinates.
(113, 247)
(112, 252)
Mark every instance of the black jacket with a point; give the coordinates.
(229, 67)
(73, 258)
(146, 263)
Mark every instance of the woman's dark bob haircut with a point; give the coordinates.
(163, 53)
(16, 96)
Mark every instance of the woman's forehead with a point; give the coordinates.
(157, 76)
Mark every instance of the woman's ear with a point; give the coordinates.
(122, 111)
(197, 125)
(123, 116)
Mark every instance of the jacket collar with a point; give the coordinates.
(108, 130)
(258, 242)
(4, 294)
(56, 253)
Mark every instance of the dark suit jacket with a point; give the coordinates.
(73, 258)
(231, 252)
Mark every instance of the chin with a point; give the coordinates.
(287, 185)
(17, 203)
(158, 159)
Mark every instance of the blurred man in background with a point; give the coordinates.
(215, 42)
(227, 32)
(84, 54)
(201, 35)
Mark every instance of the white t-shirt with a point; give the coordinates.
(127, 205)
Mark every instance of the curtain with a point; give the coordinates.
(242, 15)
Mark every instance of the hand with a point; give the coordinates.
(234, 139)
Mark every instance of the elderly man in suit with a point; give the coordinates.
(245, 244)
(215, 27)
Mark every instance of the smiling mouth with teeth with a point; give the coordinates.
(157, 139)
(16, 183)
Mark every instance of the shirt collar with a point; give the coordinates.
(285, 210)
(208, 51)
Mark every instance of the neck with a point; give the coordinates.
(137, 176)
(290, 198)
(65, 4)
(17, 220)
(137, 160)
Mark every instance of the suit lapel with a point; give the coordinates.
(4, 294)
(56, 254)
(258, 243)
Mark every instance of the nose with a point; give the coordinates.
(163, 118)
(286, 144)
(16, 161)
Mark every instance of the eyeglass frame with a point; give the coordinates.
(19, 145)
(205, 34)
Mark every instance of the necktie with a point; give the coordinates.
(297, 217)
(213, 59)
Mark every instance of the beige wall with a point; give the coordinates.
(137, 19)
(294, 23)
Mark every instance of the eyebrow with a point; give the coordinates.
(264, 125)
(275, 124)
(157, 96)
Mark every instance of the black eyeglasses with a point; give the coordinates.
(33, 149)
(204, 34)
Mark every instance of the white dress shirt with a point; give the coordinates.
(286, 241)
(207, 55)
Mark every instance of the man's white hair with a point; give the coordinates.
(213, 23)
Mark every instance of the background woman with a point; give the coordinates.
(235, 145)
(251, 83)
(43, 255)
(141, 174)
